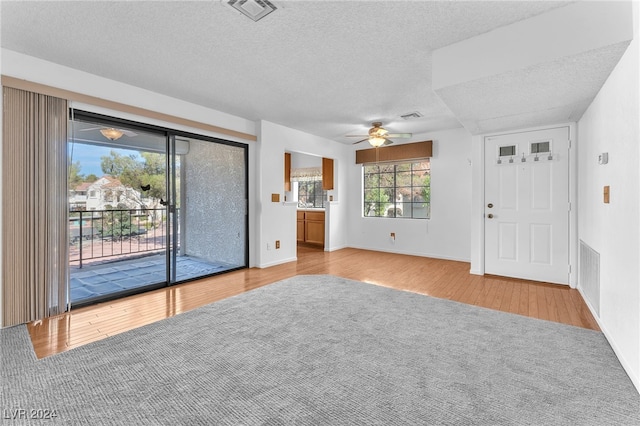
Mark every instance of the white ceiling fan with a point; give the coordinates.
(379, 136)
(111, 133)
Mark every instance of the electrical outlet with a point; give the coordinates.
(277, 244)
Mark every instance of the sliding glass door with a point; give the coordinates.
(149, 207)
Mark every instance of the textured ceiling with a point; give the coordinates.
(327, 68)
(551, 92)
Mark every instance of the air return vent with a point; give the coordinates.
(589, 275)
(411, 115)
(254, 9)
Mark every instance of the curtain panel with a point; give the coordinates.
(34, 206)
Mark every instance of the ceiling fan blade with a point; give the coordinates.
(356, 136)
(91, 128)
(398, 135)
(387, 142)
(128, 133)
(366, 139)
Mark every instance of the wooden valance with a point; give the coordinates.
(407, 151)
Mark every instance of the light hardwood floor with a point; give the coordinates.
(439, 278)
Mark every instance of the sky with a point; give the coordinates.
(89, 156)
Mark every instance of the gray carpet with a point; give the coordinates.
(323, 350)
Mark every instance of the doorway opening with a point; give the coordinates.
(308, 191)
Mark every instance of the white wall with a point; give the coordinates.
(277, 221)
(612, 124)
(302, 161)
(446, 234)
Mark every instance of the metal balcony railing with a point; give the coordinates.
(98, 234)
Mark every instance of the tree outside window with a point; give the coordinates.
(399, 190)
(311, 194)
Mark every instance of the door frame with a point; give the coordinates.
(478, 198)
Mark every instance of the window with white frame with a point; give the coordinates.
(397, 190)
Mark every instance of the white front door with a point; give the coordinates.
(527, 205)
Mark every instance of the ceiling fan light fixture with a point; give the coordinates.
(111, 133)
(377, 141)
(378, 135)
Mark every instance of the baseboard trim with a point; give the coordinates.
(277, 262)
(623, 361)
(408, 253)
(335, 248)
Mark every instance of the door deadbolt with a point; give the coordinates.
(490, 205)
(490, 216)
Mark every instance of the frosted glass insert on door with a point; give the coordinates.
(212, 206)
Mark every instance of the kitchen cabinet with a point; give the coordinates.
(310, 227)
(287, 171)
(300, 227)
(327, 173)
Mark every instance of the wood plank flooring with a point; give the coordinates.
(439, 278)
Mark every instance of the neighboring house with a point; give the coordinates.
(104, 194)
(78, 197)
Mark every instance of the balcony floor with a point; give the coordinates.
(94, 281)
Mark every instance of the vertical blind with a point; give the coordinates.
(34, 211)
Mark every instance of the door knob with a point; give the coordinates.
(490, 205)
(490, 216)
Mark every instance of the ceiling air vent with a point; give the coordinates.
(254, 9)
(411, 115)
